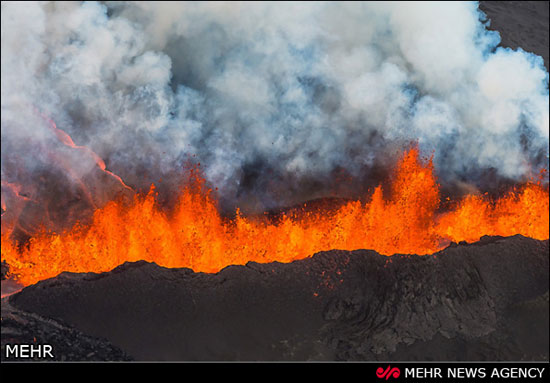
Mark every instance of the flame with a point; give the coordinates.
(195, 235)
(521, 211)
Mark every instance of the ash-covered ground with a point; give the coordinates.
(482, 301)
(20, 327)
(521, 24)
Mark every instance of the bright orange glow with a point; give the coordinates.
(521, 211)
(404, 219)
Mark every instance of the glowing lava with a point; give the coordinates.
(194, 234)
(68, 141)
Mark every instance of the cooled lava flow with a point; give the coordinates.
(196, 236)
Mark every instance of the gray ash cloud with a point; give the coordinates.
(274, 100)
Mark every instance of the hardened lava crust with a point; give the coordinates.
(482, 301)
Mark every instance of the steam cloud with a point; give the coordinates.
(273, 99)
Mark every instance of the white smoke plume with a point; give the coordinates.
(272, 98)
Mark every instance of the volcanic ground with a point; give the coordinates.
(487, 300)
(481, 301)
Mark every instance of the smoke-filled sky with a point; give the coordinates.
(273, 99)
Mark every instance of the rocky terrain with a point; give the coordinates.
(20, 327)
(481, 301)
(521, 24)
(484, 301)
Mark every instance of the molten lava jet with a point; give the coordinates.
(407, 218)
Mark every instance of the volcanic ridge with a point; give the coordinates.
(482, 301)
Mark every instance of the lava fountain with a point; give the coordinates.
(408, 218)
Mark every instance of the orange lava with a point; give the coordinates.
(404, 219)
(63, 137)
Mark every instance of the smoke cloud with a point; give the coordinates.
(275, 100)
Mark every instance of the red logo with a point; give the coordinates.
(388, 372)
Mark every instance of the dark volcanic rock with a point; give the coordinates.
(4, 269)
(483, 301)
(68, 344)
(521, 24)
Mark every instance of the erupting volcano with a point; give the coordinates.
(410, 219)
(308, 180)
